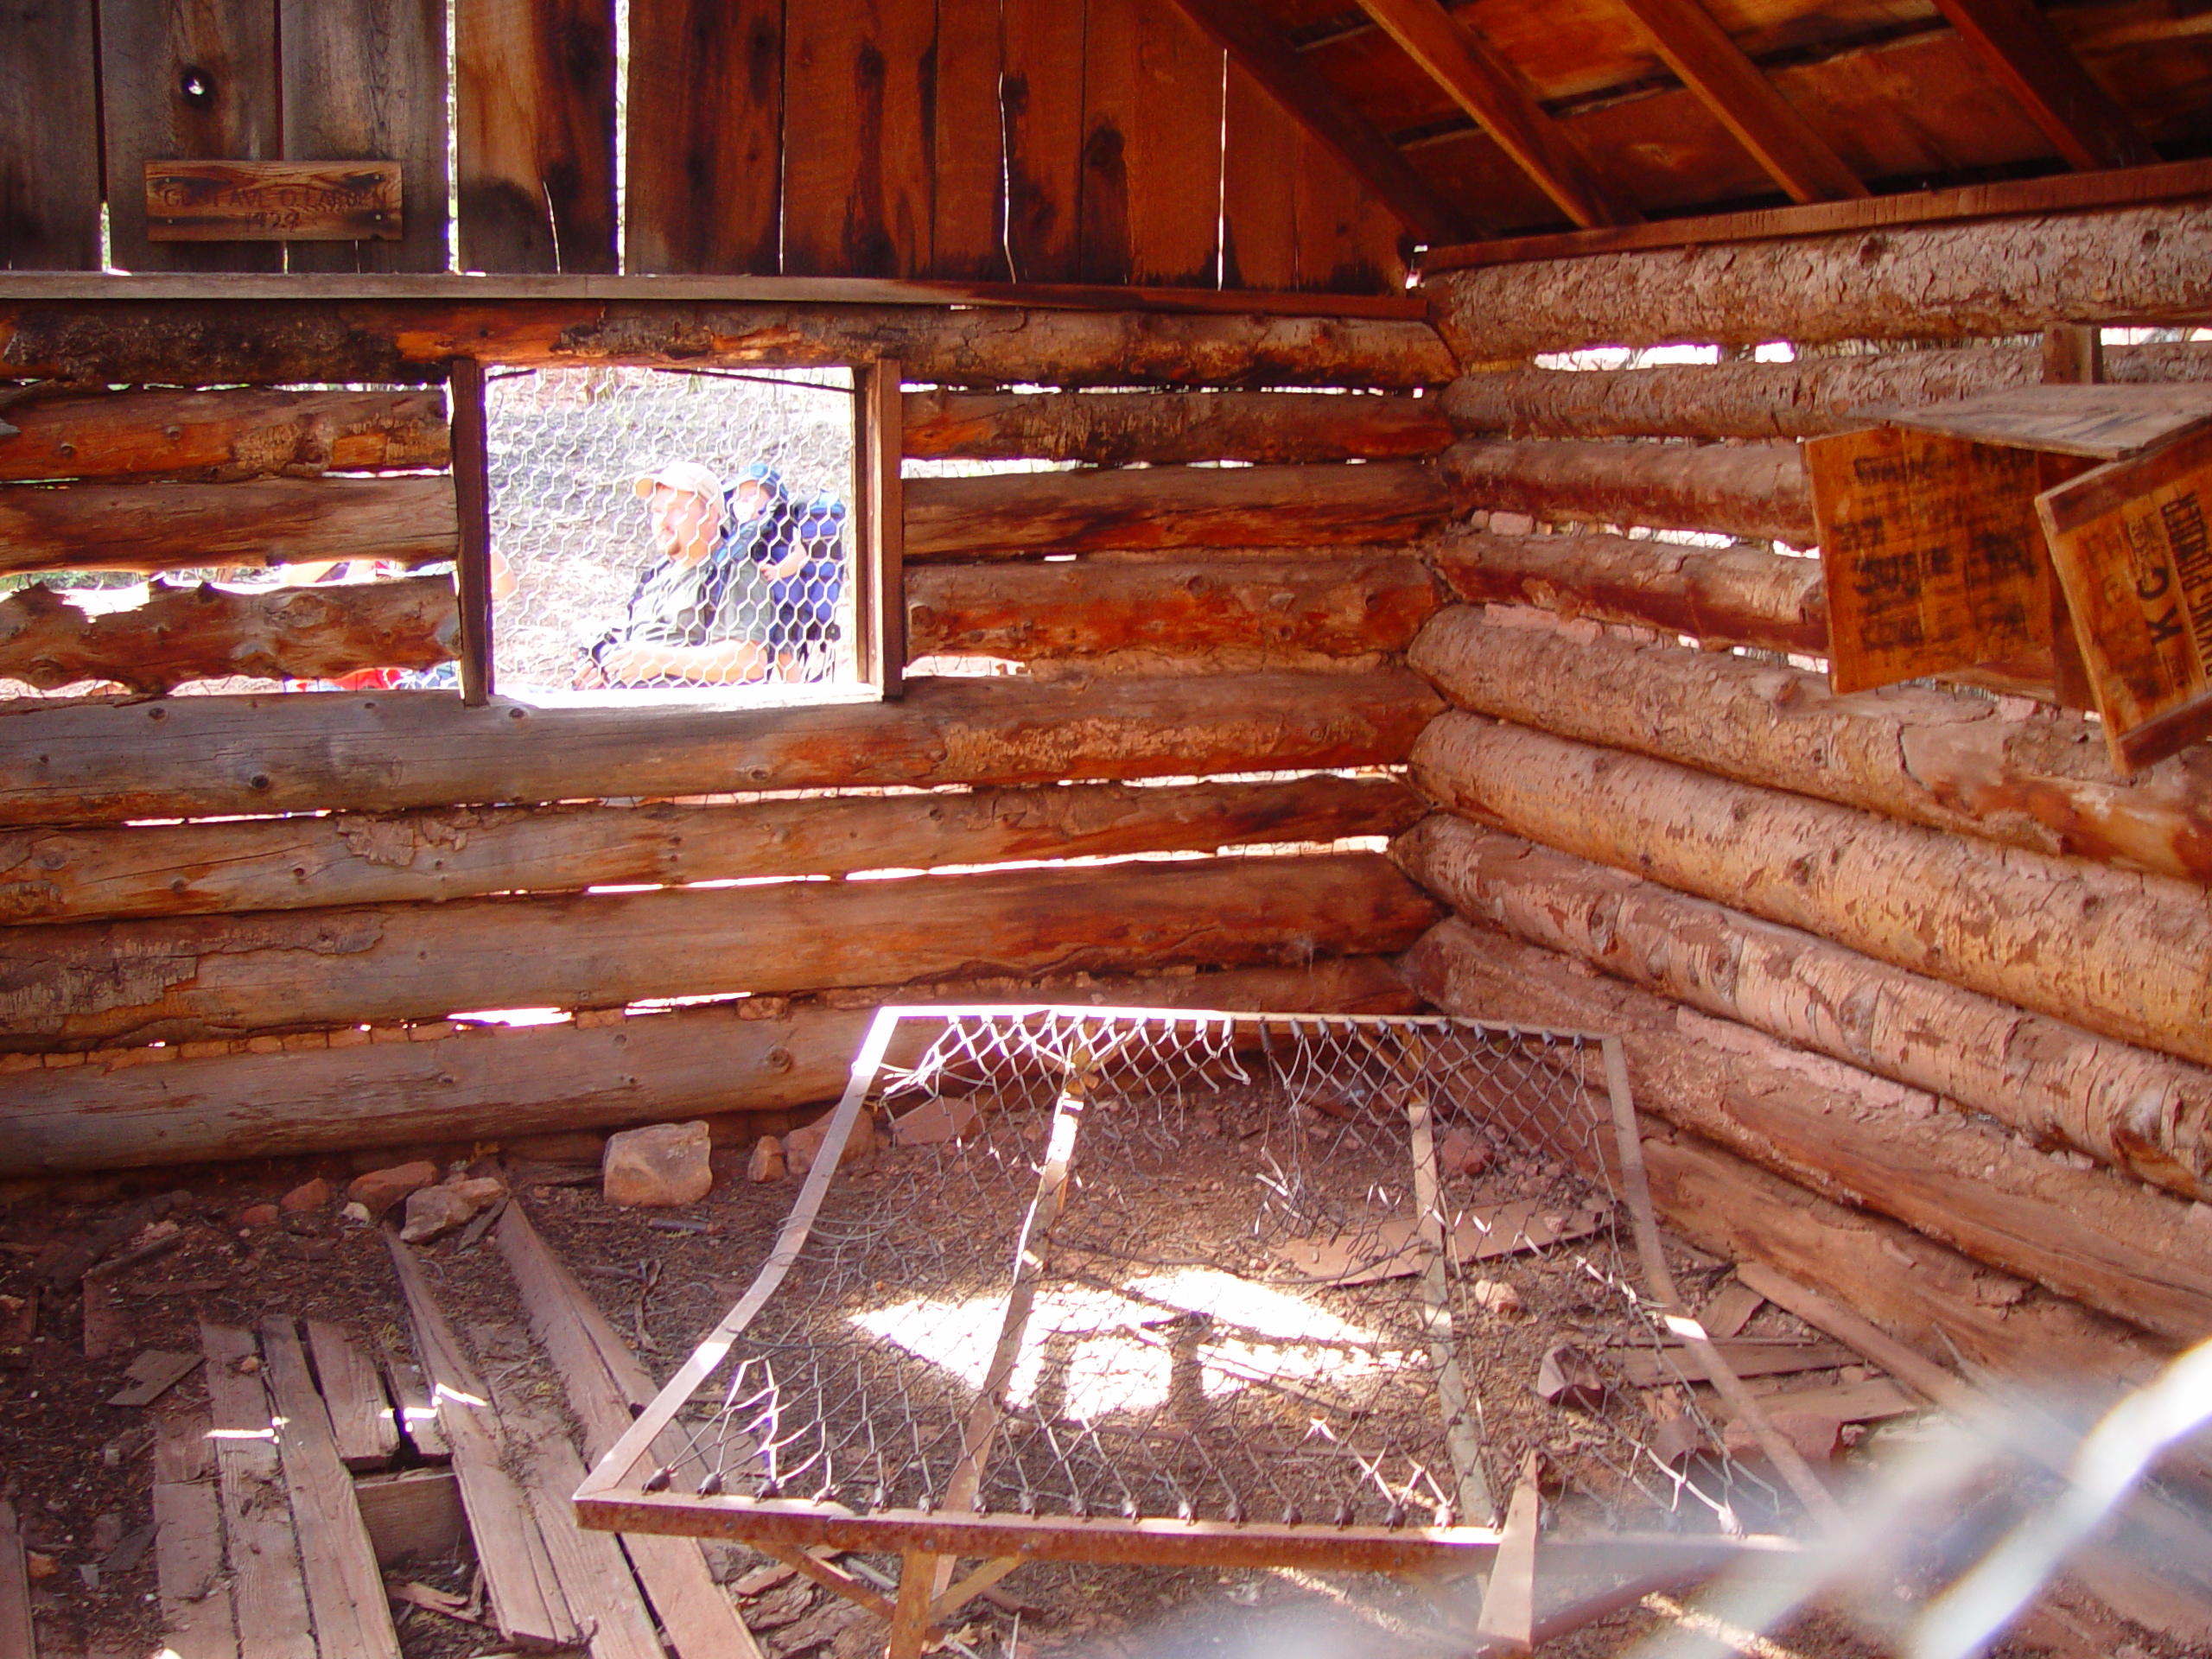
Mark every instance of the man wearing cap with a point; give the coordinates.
(687, 613)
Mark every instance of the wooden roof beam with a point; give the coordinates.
(2016, 41)
(1489, 89)
(1766, 123)
(1243, 31)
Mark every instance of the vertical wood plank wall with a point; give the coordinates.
(1032, 141)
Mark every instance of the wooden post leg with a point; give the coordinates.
(909, 1617)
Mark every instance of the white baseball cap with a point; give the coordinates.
(688, 475)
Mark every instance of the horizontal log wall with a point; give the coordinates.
(217, 436)
(1119, 428)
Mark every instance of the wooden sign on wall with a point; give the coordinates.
(2130, 544)
(272, 201)
(1932, 555)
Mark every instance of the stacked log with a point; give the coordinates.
(218, 435)
(1757, 491)
(1120, 430)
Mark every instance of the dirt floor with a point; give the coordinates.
(78, 1470)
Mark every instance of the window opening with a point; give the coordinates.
(673, 535)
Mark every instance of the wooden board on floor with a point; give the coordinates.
(16, 1641)
(197, 1618)
(183, 1450)
(270, 1594)
(417, 1418)
(344, 1588)
(360, 1416)
(1645, 1369)
(152, 1374)
(2134, 556)
(414, 1513)
(1847, 1403)
(1731, 1309)
(527, 1602)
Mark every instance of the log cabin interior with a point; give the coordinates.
(1532, 539)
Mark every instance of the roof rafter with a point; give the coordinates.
(2019, 45)
(1489, 89)
(1240, 28)
(1729, 84)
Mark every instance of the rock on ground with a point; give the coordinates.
(380, 1189)
(661, 1165)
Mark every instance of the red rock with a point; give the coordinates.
(801, 1145)
(933, 1122)
(767, 1161)
(432, 1211)
(308, 1195)
(659, 1166)
(380, 1189)
(258, 1215)
(1817, 1436)
(1462, 1153)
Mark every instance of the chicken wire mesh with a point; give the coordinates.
(1204, 1267)
(660, 529)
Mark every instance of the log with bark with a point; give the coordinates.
(1011, 514)
(216, 436)
(1759, 491)
(1806, 398)
(287, 341)
(208, 632)
(1914, 282)
(1119, 429)
(304, 860)
(2126, 955)
(1723, 596)
(398, 1086)
(2146, 1114)
(2090, 1235)
(1209, 617)
(2041, 781)
(76, 985)
(200, 757)
(197, 526)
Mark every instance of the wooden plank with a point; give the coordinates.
(857, 194)
(197, 756)
(176, 82)
(1041, 55)
(412, 1411)
(474, 1084)
(1119, 429)
(1348, 240)
(1847, 1402)
(1931, 554)
(1491, 90)
(534, 106)
(2011, 198)
(1766, 123)
(1336, 126)
(361, 1423)
(205, 633)
(603, 1382)
(1152, 147)
(301, 968)
(16, 1638)
(49, 139)
(2099, 422)
(966, 149)
(344, 1588)
(184, 1451)
(414, 1514)
(267, 1588)
(472, 490)
(2025, 52)
(262, 521)
(365, 77)
(1647, 1369)
(222, 436)
(2131, 547)
(1730, 1310)
(519, 1577)
(1507, 1621)
(1012, 514)
(152, 1374)
(704, 187)
(198, 1620)
(273, 201)
(1259, 190)
(882, 532)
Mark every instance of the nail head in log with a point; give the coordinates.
(284, 342)
(258, 522)
(208, 632)
(1237, 613)
(2127, 955)
(342, 1090)
(1011, 514)
(1720, 596)
(202, 976)
(2146, 1114)
(201, 757)
(304, 860)
(1909, 282)
(1757, 491)
(218, 436)
(2109, 1242)
(2041, 781)
(1118, 428)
